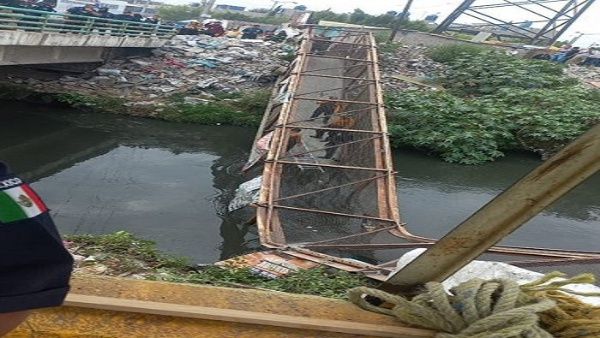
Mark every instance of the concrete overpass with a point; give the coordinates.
(29, 37)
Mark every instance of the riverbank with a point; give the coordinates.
(477, 103)
(197, 79)
(121, 254)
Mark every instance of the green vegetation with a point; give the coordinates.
(179, 12)
(124, 254)
(243, 109)
(494, 102)
(319, 281)
(449, 53)
(269, 20)
(106, 104)
(359, 17)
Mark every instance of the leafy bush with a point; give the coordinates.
(459, 130)
(486, 72)
(476, 130)
(451, 52)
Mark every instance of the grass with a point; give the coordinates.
(125, 254)
(239, 109)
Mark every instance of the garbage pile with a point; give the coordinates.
(197, 66)
(590, 76)
(407, 61)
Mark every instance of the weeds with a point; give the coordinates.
(244, 109)
(125, 254)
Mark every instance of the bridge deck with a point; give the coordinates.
(342, 210)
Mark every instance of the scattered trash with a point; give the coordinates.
(410, 61)
(191, 65)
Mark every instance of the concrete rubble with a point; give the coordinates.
(196, 66)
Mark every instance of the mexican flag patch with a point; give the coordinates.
(18, 201)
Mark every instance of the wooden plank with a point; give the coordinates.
(504, 214)
(244, 317)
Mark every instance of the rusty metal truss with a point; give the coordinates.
(341, 209)
(547, 19)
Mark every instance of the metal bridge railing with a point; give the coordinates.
(30, 20)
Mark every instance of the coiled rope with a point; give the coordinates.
(497, 308)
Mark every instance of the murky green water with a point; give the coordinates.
(171, 183)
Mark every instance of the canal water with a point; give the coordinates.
(171, 183)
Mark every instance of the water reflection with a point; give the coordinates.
(162, 181)
(172, 182)
(435, 196)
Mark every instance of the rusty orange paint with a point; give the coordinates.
(71, 322)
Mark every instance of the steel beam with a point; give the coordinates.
(503, 215)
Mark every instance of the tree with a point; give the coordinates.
(358, 16)
(179, 12)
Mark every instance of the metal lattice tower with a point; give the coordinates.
(551, 18)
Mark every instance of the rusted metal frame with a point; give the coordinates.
(264, 217)
(366, 246)
(349, 112)
(339, 42)
(336, 57)
(392, 198)
(359, 76)
(325, 212)
(324, 259)
(332, 89)
(326, 165)
(331, 147)
(554, 262)
(328, 100)
(335, 129)
(329, 68)
(544, 185)
(501, 22)
(520, 33)
(527, 9)
(335, 77)
(333, 240)
(326, 189)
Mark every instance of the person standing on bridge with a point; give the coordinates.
(35, 267)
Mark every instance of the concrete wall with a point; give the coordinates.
(26, 48)
(28, 55)
(22, 38)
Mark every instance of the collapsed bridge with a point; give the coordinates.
(328, 191)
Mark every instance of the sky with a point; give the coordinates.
(420, 8)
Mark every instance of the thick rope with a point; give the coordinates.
(494, 309)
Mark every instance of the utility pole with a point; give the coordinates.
(403, 16)
(207, 7)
